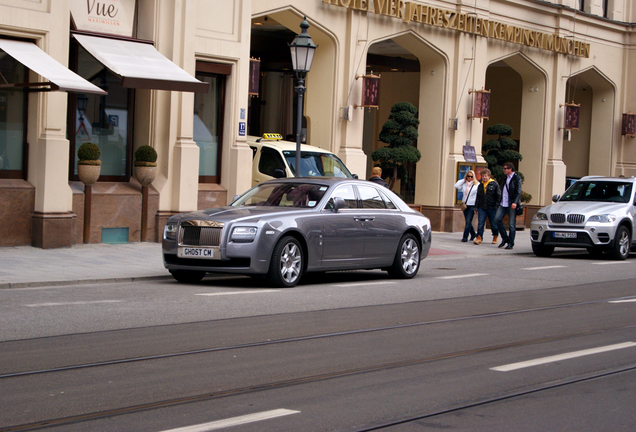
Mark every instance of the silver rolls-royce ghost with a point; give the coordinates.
(284, 228)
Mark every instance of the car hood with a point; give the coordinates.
(228, 213)
(585, 207)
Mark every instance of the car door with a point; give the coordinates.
(265, 163)
(382, 226)
(343, 240)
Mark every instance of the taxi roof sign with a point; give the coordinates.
(272, 136)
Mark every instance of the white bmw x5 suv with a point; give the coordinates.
(596, 213)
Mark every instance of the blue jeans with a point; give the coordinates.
(512, 220)
(469, 229)
(481, 222)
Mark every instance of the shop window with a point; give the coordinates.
(208, 120)
(13, 103)
(103, 120)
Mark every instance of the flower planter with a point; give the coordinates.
(88, 174)
(145, 174)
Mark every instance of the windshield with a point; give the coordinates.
(604, 191)
(299, 194)
(315, 164)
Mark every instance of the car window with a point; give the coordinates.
(387, 201)
(270, 160)
(347, 194)
(604, 191)
(299, 194)
(370, 198)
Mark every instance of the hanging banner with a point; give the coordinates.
(629, 125)
(114, 17)
(572, 116)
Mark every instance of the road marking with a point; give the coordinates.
(72, 303)
(237, 292)
(609, 262)
(364, 283)
(544, 267)
(566, 356)
(235, 421)
(623, 301)
(462, 276)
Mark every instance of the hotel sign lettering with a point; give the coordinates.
(467, 23)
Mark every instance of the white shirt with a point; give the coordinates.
(469, 196)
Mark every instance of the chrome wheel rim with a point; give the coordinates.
(623, 243)
(410, 256)
(290, 262)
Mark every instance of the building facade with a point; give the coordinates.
(534, 59)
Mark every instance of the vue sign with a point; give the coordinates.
(104, 16)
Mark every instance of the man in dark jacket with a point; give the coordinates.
(488, 197)
(510, 200)
(376, 173)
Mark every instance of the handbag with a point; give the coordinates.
(463, 206)
(519, 209)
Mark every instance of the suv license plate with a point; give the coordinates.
(564, 235)
(193, 252)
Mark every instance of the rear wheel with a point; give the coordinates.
(542, 250)
(187, 276)
(407, 258)
(286, 266)
(622, 243)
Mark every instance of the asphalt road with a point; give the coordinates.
(501, 343)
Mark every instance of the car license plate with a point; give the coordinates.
(193, 252)
(564, 235)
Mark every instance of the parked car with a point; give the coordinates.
(275, 158)
(284, 228)
(596, 213)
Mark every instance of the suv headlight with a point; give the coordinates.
(170, 230)
(603, 218)
(540, 217)
(243, 234)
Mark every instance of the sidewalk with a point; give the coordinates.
(27, 266)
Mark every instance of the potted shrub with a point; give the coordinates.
(89, 165)
(145, 164)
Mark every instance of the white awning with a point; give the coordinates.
(140, 65)
(46, 66)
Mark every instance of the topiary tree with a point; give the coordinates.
(88, 154)
(501, 150)
(399, 132)
(145, 155)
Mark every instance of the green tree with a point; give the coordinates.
(501, 150)
(399, 132)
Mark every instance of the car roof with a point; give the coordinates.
(619, 179)
(283, 145)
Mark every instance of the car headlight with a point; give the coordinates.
(540, 217)
(243, 234)
(603, 218)
(170, 230)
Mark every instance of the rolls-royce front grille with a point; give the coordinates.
(574, 219)
(200, 236)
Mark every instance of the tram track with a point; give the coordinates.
(306, 379)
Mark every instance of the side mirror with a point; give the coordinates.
(279, 173)
(338, 203)
(355, 176)
(556, 197)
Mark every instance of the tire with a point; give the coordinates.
(407, 258)
(622, 243)
(286, 265)
(542, 250)
(187, 276)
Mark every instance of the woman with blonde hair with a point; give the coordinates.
(469, 186)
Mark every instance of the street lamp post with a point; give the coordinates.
(302, 53)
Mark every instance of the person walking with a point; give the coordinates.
(488, 198)
(468, 185)
(510, 200)
(376, 177)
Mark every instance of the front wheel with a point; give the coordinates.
(542, 250)
(622, 243)
(407, 258)
(286, 266)
(187, 276)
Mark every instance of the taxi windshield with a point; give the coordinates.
(316, 164)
